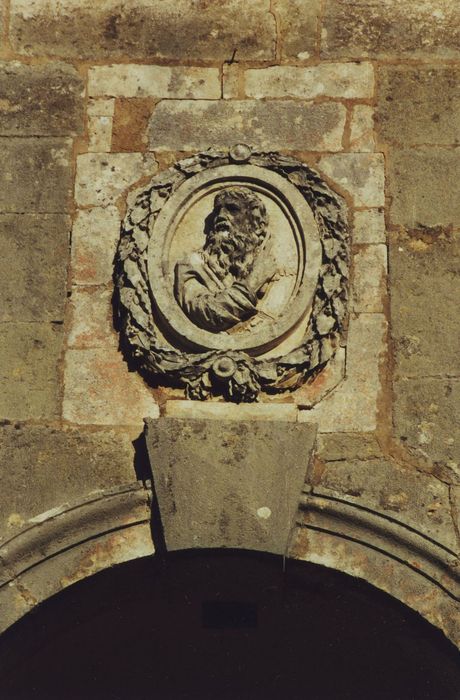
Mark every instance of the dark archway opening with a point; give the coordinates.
(225, 625)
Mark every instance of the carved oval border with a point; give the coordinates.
(288, 198)
(234, 374)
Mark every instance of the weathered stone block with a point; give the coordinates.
(101, 107)
(35, 175)
(385, 28)
(189, 125)
(346, 80)
(99, 390)
(419, 105)
(99, 134)
(360, 174)
(334, 447)
(154, 28)
(29, 377)
(425, 291)
(369, 226)
(298, 23)
(228, 483)
(207, 410)
(424, 419)
(91, 318)
(40, 100)
(95, 235)
(102, 177)
(33, 270)
(362, 138)
(133, 80)
(423, 187)
(130, 124)
(231, 81)
(418, 500)
(353, 406)
(100, 123)
(74, 461)
(369, 279)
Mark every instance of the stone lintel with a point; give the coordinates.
(226, 483)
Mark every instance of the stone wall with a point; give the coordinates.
(95, 97)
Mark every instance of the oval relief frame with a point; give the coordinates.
(306, 235)
(166, 346)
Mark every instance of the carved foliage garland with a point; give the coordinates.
(234, 374)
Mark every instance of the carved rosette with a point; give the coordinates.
(163, 344)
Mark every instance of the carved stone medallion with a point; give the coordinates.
(231, 275)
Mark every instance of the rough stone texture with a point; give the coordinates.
(455, 498)
(298, 23)
(423, 187)
(29, 378)
(383, 28)
(224, 483)
(95, 235)
(230, 81)
(419, 500)
(369, 226)
(333, 447)
(100, 107)
(99, 134)
(40, 100)
(35, 174)
(212, 409)
(353, 407)
(361, 175)
(91, 318)
(362, 129)
(48, 467)
(98, 390)
(419, 105)
(190, 125)
(346, 80)
(425, 288)
(102, 178)
(425, 291)
(144, 28)
(132, 80)
(130, 124)
(33, 285)
(369, 279)
(424, 420)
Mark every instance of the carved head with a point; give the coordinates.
(235, 229)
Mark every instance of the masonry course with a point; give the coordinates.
(152, 28)
(40, 100)
(34, 286)
(390, 28)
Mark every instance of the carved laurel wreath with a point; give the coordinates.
(234, 374)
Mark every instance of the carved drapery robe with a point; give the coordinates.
(210, 302)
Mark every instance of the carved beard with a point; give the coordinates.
(235, 251)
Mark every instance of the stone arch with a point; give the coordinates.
(71, 543)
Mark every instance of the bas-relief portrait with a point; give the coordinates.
(221, 285)
(233, 258)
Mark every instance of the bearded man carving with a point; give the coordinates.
(220, 285)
